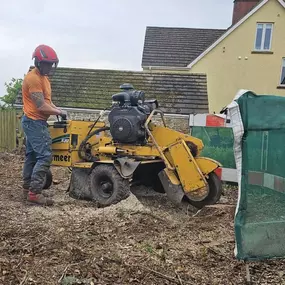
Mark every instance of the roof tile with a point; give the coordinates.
(176, 47)
(93, 88)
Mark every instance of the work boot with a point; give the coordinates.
(39, 198)
(26, 192)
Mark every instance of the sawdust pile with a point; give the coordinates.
(142, 240)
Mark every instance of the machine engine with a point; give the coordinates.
(129, 114)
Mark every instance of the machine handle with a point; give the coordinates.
(61, 124)
(168, 165)
(155, 111)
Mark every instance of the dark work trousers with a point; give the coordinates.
(38, 153)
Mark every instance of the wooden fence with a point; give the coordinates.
(9, 123)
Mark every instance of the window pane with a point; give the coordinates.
(258, 37)
(267, 37)
(283, 72)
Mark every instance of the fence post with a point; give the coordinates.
(8, 126)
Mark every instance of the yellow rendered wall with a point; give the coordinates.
(231, 65)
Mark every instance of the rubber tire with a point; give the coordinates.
(216, 189)
(48, 180)
(121, 186)
(79, 184)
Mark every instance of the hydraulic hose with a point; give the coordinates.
(81, 150)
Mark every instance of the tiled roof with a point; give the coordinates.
(93, 88)
(176, 47)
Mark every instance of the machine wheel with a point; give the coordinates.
(215, 187)
(107, 185)
(48, 180)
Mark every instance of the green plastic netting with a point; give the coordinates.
(259, 140)
(218, 144)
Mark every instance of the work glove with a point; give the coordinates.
(63, 114)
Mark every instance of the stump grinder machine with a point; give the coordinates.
(107, 159)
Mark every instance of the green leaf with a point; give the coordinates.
(12, 90)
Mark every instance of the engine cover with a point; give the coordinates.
(127, 124)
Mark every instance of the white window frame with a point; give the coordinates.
(263, 36)
(282, 66)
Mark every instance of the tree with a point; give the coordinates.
(12, 91)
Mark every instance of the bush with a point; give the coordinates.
(12, 90)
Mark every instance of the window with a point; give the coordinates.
(282, 81)
(263, 37)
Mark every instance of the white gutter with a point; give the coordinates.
(107, 112)
(166, 68)
(79, 110)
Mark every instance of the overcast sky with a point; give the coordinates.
(95, 33)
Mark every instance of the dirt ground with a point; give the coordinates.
(142, 240)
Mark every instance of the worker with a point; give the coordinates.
(37, 108)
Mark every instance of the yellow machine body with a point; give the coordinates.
(183, 170)
(66, 139)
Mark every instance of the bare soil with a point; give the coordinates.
(142, 240)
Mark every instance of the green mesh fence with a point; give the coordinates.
(260, 213)
(218, 144)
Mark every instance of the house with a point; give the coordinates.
(84, 92)
(174, 48)
(250, 54)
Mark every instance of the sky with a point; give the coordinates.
(99, 34)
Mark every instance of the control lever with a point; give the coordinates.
(63, 117)
(61, 123)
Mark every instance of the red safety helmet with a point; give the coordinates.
(45, 59)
